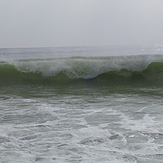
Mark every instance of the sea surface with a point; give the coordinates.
(81, 104)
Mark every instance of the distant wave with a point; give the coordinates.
(101, 70)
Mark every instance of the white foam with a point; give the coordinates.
(85, 67)
(146, 124)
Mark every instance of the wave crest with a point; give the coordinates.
(64, 70)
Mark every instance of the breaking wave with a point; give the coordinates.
(102, 70)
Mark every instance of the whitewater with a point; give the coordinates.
(81, 104)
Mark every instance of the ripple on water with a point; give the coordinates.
(4, 139)
(92, 141)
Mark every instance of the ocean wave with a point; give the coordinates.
(119, 69)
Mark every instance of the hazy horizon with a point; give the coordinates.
(59, 23)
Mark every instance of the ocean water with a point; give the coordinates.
(81, 105)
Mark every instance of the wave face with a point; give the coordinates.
(101, 70)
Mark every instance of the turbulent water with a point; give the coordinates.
(81, 104)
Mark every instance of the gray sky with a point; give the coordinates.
(49, 23)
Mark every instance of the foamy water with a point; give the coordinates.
(66, 126)
(82, 121)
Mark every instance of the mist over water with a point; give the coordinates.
(81, 104)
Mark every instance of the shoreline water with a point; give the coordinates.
(98, 109)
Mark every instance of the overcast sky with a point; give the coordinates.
(50, 23)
